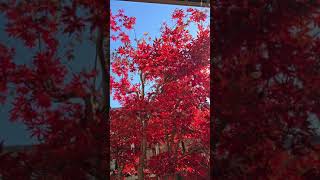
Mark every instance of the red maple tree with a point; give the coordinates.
(266, 81)
(265, 89)
(167, 106)
(65, 110)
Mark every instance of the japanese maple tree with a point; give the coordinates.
(65, 110)
(163, 87)
(265, 89)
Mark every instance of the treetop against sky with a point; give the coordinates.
(149, 19)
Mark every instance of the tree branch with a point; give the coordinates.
(104, 63)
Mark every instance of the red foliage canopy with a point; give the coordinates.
(265, 89)
(168, 105)
(63, 109)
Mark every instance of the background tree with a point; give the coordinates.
(174, 111)
(65, 110)
(265, 86)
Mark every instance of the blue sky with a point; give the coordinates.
(149, 18)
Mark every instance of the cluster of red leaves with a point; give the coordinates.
(265, 76)
(118, 23)
(174, 109)
(59, 107)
